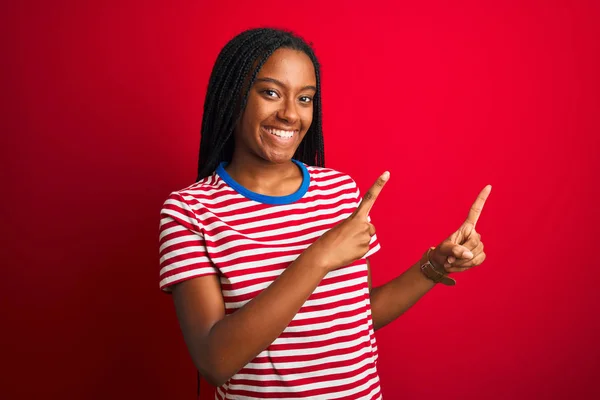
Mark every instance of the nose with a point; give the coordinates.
(288, 112)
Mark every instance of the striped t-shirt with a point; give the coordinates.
(216, 226)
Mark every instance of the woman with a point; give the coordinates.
(266, 255)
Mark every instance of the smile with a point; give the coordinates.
(281, 133)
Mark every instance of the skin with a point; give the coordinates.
(280, 98)
(459, 252)
(220, 346)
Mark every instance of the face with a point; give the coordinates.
(279, 109)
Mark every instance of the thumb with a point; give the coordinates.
(457, 251)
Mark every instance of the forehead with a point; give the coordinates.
(292, 67)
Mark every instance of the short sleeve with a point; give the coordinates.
(374, 245)
(183, 252)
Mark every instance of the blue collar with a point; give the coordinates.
(262, 198)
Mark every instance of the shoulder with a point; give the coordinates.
(323, 173)
(329, 177)
(188, 204)
(202, 191)
(329, 174)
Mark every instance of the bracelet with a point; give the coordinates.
(432, 273)
(437, 269)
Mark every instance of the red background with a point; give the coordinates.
(101, 110)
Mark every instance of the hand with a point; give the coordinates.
(464, 248)
(349, 240)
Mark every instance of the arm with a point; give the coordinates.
(219, 345)
(460, 252)
(391, 300)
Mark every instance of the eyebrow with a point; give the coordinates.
(275, 81)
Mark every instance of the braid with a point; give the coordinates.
(235, 70)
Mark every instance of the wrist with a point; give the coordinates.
(437, 261)
(433, 272)
(316, 258)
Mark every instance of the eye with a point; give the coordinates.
(270, 93)
(305, 99)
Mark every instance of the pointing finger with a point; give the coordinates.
(477, 206)
(369, 198)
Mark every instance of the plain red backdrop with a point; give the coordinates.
(101, 112)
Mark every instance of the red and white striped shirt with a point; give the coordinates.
(216, 226)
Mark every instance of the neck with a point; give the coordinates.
(262, 176)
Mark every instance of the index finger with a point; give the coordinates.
(371, 195)
(477, 206)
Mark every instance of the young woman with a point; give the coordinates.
(266, 255)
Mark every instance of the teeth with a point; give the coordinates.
(281, 133)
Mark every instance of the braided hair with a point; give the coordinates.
(230, 82)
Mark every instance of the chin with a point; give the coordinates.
(278, 158)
